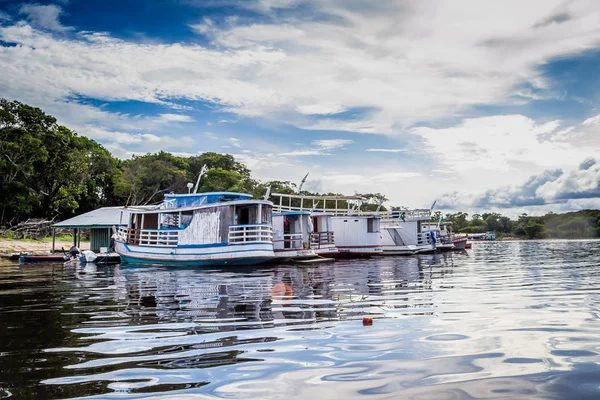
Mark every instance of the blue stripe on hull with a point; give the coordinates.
(198, 263)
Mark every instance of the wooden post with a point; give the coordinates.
(53, 239)
(259, 214)
(79, 238)
(74, 236)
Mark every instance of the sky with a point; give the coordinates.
(477, 105)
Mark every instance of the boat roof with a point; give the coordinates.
(158, 209)
(298, 212)
(311, 197)
(105, 217)
(208, 194)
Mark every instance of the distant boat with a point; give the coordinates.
(460, 243)
(217, 228)
(406, 232)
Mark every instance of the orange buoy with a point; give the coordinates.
(367, 321)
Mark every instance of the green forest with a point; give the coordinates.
(48, 171)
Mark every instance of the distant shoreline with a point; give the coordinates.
(37, 246)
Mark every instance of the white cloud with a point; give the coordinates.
(302, 153)
(387, 150)
(405, 62)
(166, 118)
(322, 147)
(592, 121)
(550, 187)
(361, 179)
(4, 16)
(328, 144)
(235, 142)
(493, 143)
(45, 17)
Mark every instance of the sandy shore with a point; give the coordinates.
(36, 247)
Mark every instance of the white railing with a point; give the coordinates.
(406, 215)
(250, 233)
(316, 211)
(424, 238)
(150, 237)
(319, 239)
(291, 241)
(400, 215)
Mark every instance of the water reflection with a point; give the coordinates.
(504, 320)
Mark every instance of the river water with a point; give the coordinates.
(503, 320)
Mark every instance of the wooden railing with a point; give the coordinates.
(318, 239)
(250, 233)
(150, 237)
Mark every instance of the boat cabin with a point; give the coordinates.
(292, 233)
(198, 219)
(322, 238)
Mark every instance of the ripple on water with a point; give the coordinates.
(505, 320)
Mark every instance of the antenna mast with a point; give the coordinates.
(202, 172)
(302, 183)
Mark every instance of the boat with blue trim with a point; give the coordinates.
(217, 228)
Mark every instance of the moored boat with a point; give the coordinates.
(460, 243)
(339, 228)
(41, 258)
(291, 235)
(217, 228)
(404, 232)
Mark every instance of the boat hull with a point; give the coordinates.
(460, 244)
(400, 250)
(200, 255)
(358, 251)
(427, 248)
(39, 258)
(294, 254)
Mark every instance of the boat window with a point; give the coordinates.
(245, 215)
(150, 221)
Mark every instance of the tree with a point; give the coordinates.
(222, 180)
(46, 169)
(534, 230)
(145, 179)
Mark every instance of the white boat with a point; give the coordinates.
(217, 228)
(339, 228)
(322, 239)
(403, 232)
(357, 235)
(442, 235)
(292, 235)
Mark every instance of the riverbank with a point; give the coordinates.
(37, 246)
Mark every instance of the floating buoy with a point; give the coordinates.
(367, 321)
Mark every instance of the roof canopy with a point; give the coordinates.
(105, 217)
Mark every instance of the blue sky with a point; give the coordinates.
(480, 105)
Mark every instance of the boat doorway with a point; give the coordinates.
(287, 229)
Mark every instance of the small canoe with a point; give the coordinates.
(10, 257)
(41, 258)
